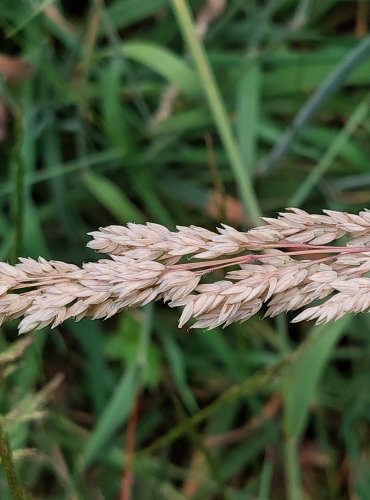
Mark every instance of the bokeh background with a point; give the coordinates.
(112, 112)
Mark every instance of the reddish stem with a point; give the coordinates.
(212, 265)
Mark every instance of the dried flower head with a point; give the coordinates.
(285, 264)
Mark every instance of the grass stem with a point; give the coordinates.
(292, 472)
(15, 488)
(213, 95)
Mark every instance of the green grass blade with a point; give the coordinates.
(113, 107)
(99, 376)
(115, 414)
(264, 492)
(302, 376)
(248, 114)
(248, 387)
(125, 12)
(299, 387)
(178, 369)
(355, 57)
(121, 403)
(165, 63)
(112, 199)
(7, 461)
(212, 93)
(18, 202)
(340, 141)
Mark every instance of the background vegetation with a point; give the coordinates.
(112, 112)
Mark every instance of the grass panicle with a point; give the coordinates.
(285, 264)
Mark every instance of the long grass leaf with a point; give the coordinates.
(165, 63)
(353, 59)
(112, 198)
(354, 121)
(213, 95)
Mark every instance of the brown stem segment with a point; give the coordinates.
(128, 475)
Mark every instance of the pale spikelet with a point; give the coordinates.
(354, 300)
(299, 226)
(162, 244)
(153, 241)
(149, 262)
(247, 290)
(119, 240)
(174, 285)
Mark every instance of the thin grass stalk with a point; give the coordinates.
(353, 59)
(282, 327)
(213, 95)
(193, 434)
(18, 200)
(15, 487)
(292, 470)
(341, 139)
(267, 471)
(126, 393)
(96, 161)
(249, 386)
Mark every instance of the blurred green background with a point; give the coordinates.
(130, 110)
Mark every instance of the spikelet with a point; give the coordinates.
(284, 265)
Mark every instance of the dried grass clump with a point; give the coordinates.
(285, 265)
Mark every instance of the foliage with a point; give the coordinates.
(122, 114)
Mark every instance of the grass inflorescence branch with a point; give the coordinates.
(286, 264)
